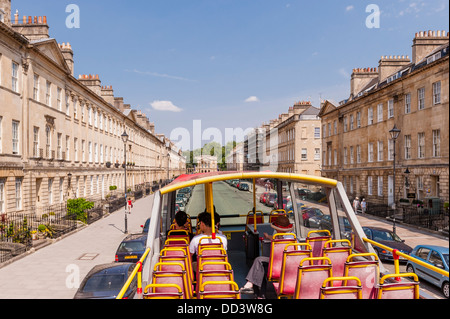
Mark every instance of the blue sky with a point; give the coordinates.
(231, 63)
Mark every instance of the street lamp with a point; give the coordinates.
(124, 137)
(395, 132)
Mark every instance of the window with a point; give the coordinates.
(48, 93)
(407, 146)
(380, 186)
(50, 191)
(61, 189)
(369, 185)
(58, 99)
(1, 119)
(75, 149)
(380, 112)
(15, 137)
(436, 93)
(352, 122)
(421, 98)
(335, 157)
(59, 146)
(67, 148)
(358, 154)
(67, 104)
(390, 109)
(370, 116)
(304, 154)
(390, 150)
(18, 193)
(421, 145)
(96, 152)
(15, 77)
(316, 154)
(2, 196)
(345, 155)
(358, 119)
(380, 151)
(317, 132)
(36, 88)
(335, 127)
(35, 141)
(408, 103)
(370, 153)
(329, 129)
(75, 109)
(345, 124)
(89, 109)
(352, 159)
(83, 150)
(101, 153)
(90, 152)
(436, 143)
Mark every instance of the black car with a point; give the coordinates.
(106, 281)
(386, 238)
(344, 225)
(131, 248)
(145, 226)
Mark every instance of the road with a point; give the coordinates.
(229, 200)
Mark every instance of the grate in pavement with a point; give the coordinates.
(88, 257)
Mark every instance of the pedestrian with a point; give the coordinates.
(363, 205)
(257, 275)
(356, 205)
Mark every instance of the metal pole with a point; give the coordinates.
(394, 207)
(126, 190)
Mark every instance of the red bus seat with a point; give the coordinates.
(399, 290)
(318, 243)
(277, 246)
(289, 269)
(338, 256)
(219, 290)
(163, 291)
(169, 274)
(368, 271)
(310, 277)
(328, 291)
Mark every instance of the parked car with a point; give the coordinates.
(181, 204)
(312, 217)
(272, 198)
(263, 198)
(182, 197)
(386, 238)
(244, 187)
(145, 226)
(289, 208)
(303, 192)
(106, 281)
(344, 225)
(131, 248)
(436, 256)
(285, 201)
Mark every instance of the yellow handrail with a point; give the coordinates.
(137, 271)
(397, 254)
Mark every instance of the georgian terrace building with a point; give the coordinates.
(60, 136)
(413, 96)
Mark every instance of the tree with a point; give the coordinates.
(78, 208)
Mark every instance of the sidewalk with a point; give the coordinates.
(52, 271)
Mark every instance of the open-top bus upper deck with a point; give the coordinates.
(322, 218)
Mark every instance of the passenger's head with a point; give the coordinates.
(181, 218)
(205, 218)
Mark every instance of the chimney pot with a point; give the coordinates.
(45, 19)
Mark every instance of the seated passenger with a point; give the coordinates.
(182, 223)
(204, 220)
(257, 275)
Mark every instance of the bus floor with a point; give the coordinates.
(241, 266)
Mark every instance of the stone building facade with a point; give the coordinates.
(411, 94)
(60, 136)
(289, 144)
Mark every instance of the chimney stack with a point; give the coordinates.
(92, 82)
(34, 28)
(361, 77)
(108, 94)
(67, 52)
(389, 65)
(425, 42)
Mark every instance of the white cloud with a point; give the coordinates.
(344, 73)
(252, 99)
(165, 106)
(160, 75)
(349, 8)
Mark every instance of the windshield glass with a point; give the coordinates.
(104, 283)
(446, 259)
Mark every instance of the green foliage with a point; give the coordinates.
(78, 207)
